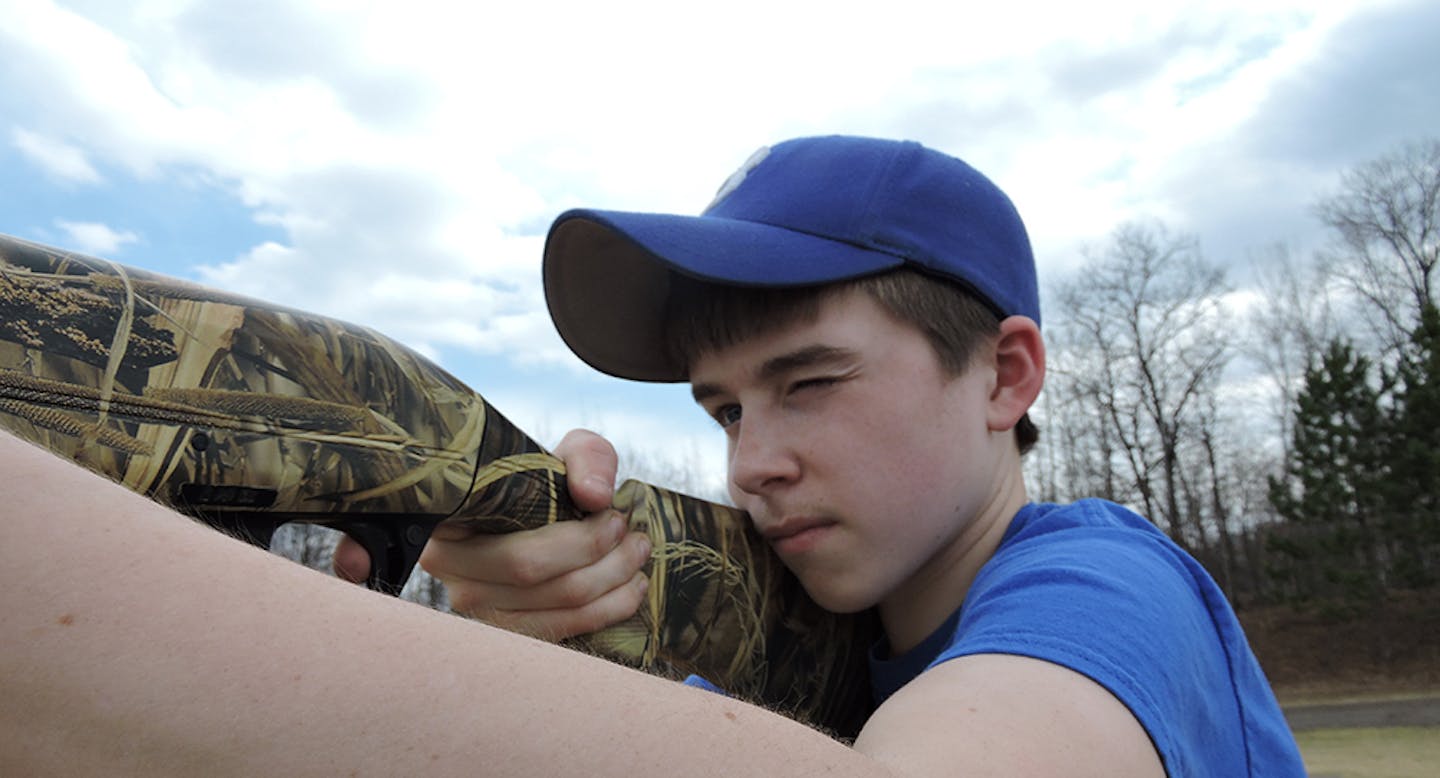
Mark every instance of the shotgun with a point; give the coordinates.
(247, 416)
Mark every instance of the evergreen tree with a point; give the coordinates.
(1330, 497)
(1412, 490)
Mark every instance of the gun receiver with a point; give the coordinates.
(248, 416)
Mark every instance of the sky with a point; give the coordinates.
(397, 164)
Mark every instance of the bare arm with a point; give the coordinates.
(133, 641)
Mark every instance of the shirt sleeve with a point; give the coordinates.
(1120, 608)
(700, 683)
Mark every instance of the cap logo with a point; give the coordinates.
(733, 182)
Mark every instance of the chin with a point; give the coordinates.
(837, 600)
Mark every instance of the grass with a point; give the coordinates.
(1393, 752)
(1332, 695)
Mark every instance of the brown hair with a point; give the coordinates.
(702, 317)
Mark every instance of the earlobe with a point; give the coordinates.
(1019, 372)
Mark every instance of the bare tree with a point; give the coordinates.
(1290, 321)
(1076, 457)
(311, 545)
(1144, 341)
(680, 472)
(1386, 225)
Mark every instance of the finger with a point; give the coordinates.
(351, 561)
(524, 558)
(574, 590)
(590, 464)
(613, 607)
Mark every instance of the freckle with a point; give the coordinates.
(296, 677)
(729, 715)
(66, 620)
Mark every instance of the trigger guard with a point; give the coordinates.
(394, 548)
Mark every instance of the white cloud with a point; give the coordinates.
(524, 110)
(412, 154)
(58, 158)
(93, 237)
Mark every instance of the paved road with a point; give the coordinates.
(1419, 712)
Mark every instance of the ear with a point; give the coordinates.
(1019, 372)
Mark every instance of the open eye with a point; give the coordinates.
(726, 415)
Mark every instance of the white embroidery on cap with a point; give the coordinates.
(733, 182)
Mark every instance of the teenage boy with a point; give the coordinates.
(861, 318)
(883, 465)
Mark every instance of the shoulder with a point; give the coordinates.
(1008, 715)
(1023, 685)
(1089, 549)
(1092, 559)
(1099, 592)
(1038, 519)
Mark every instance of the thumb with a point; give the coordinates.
(591, 463)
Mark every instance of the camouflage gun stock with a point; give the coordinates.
(248, 416)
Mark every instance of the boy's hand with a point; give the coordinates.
(554, 582)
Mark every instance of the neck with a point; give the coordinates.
(920, 605)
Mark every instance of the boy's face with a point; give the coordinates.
(855, 454)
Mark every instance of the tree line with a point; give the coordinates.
(1287, 434)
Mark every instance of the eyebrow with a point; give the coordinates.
(809, 356)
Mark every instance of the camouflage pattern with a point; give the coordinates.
(248, 415)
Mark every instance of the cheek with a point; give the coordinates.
(928, 434)
(929, 458)
(903, 470)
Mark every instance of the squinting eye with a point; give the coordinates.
(813, 383)
(727, 415)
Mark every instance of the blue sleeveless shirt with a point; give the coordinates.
(1098, 589)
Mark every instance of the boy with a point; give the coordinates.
(861, 318)
(884, 469)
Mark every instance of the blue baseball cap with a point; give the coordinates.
(803, 212)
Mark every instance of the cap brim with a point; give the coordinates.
(608, 274)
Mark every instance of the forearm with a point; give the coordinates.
(137, 642)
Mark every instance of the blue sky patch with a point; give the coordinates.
(178, 221)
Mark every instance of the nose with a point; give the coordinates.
(761, 457)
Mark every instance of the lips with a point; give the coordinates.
(796, 534)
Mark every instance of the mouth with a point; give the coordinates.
(796, 535)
